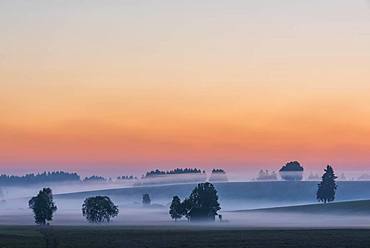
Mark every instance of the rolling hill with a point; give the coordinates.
(360, 207)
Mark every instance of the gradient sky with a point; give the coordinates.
(137, 84)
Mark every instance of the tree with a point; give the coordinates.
(99, 209)
(327, 187)
(146, 199)
(204, 202)
(205, 196)
(176, 210)
(43, 206)
(292, 171)
(201, 205)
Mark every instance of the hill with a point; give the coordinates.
(360, 207)
(277, 191)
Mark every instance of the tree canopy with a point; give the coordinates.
(205, 196)
(327, 187)
(99, 209)
(43, 206)
(292, 171)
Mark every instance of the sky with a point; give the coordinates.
(90, 85)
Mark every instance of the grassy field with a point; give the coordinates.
(346, 207)
(153, 237)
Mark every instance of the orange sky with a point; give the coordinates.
(137, 84)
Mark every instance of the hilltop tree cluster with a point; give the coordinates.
(126, 178)
(173, 172)
(94, 179)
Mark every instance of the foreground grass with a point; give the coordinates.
(153, 237)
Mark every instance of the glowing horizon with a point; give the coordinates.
(139, 84)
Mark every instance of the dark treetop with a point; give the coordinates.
(292, 166)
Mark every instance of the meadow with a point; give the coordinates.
(153, 237)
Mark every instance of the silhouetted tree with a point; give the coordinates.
(146, 199)
(201, 205)
(99, 209)
(292, 171)
(176, 210)
(205, 196)
(204, 202)
(43, 206)
(327, 187)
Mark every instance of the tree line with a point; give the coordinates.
(176, 171)
(54, 177)
(62, 176)
(45, 177)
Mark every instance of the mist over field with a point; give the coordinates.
(243, 204)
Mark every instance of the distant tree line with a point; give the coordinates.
(176, 171)
(218, 175)
(218, 171)
(62, 176)
(126, 178)
(95, 179)
(54, 177)
(45, 177)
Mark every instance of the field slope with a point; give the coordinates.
(359, 207)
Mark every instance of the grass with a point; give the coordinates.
(359, 207)
(153, 237)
